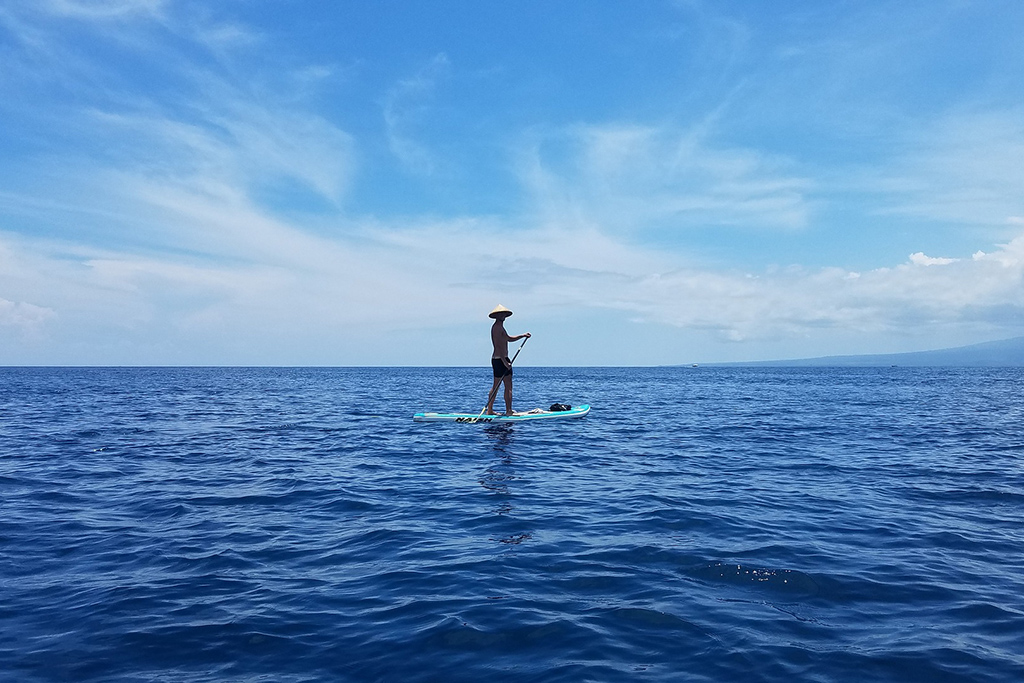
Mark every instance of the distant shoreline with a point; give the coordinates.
(1002, 353)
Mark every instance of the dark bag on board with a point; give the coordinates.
(559, 407)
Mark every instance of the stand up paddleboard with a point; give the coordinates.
(578, 411)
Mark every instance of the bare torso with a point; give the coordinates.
(499, 338)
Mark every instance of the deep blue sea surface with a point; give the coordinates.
(701, 524)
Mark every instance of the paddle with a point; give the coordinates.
(490, 396)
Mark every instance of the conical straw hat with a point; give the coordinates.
(499, 310)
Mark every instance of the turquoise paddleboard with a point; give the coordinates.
(578, 411)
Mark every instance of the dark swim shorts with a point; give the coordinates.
(499, 367)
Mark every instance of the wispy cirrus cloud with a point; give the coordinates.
(962, 168)
(126, 149)
(664, 179)
(102, 9)
(233, 142)
(404, 106)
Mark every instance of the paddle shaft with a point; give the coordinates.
(494, 389)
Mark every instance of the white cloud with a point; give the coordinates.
(640, 178)
(919, 259)
(587, 269)
(102, 9)
(405, 106)
(273, 280)
(985, 292)
(237, 143)
(964, 168)
(24, 316)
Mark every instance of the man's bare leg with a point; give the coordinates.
(508, 394)
(489, 410)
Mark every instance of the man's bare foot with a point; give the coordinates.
(490, 412)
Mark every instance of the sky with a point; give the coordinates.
(289, 182)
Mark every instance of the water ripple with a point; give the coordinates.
(288, 524)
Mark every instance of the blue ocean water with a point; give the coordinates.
(701, 524)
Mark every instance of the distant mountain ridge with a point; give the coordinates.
(1002, 353)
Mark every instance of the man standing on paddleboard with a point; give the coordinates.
(500, 362)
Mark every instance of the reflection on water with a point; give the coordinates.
(500, 437)
(514, 539)
(498, 475)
